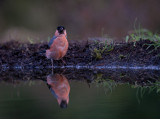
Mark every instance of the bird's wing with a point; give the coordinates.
(51, 41)
(52, 91)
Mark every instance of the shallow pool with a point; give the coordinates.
(100, 98)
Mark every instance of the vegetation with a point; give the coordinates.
(142, 90)
(109, 85)
(143, 34)
(102, 48)
(122, 56)
(31, 41)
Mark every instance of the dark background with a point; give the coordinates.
(36, 20)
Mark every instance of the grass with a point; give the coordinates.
(31, 41)
(107, 84)
(134, 36)
(101, 48)
(149, 88)
(122, 56)
(155, 44)
(143, 34)
(142, 90)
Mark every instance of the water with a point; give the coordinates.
(92, 95)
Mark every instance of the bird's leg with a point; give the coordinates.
(63, 61)
(52, 65)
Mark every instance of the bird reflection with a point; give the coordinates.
(60, 88)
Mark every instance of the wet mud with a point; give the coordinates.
(30, 56)
(22, 62)
(134, 77)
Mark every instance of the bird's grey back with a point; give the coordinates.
(51, 41)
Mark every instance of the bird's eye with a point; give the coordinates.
(61, 28)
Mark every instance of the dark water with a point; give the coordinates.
(27, 98)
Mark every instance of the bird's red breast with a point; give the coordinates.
(60, 85)
(58, 49)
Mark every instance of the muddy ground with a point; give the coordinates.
(29, 56)
(28, 62)
(134, 77)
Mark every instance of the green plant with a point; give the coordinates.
(31, 41)
(156, 86)
(101, 48)
(137, 34)
(122, 75)
(122, 56)
(127, 39)
(107, 84)
(98, 53)
(155, 42)
(142, 34)
(147, 89)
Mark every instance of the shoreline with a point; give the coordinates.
(133, 55)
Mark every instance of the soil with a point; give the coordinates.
(29, 62)
(29, 56)
(134, 77)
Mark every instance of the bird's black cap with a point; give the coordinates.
(61, 29)
(63, 104)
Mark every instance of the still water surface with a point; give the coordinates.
(39, 99)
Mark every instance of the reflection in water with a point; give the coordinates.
(60, 88)
(138, 99)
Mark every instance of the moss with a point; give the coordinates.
(101, 48)
(122, 56)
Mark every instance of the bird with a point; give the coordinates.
(58, 45)
(59, 86)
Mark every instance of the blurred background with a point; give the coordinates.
(36, 20)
